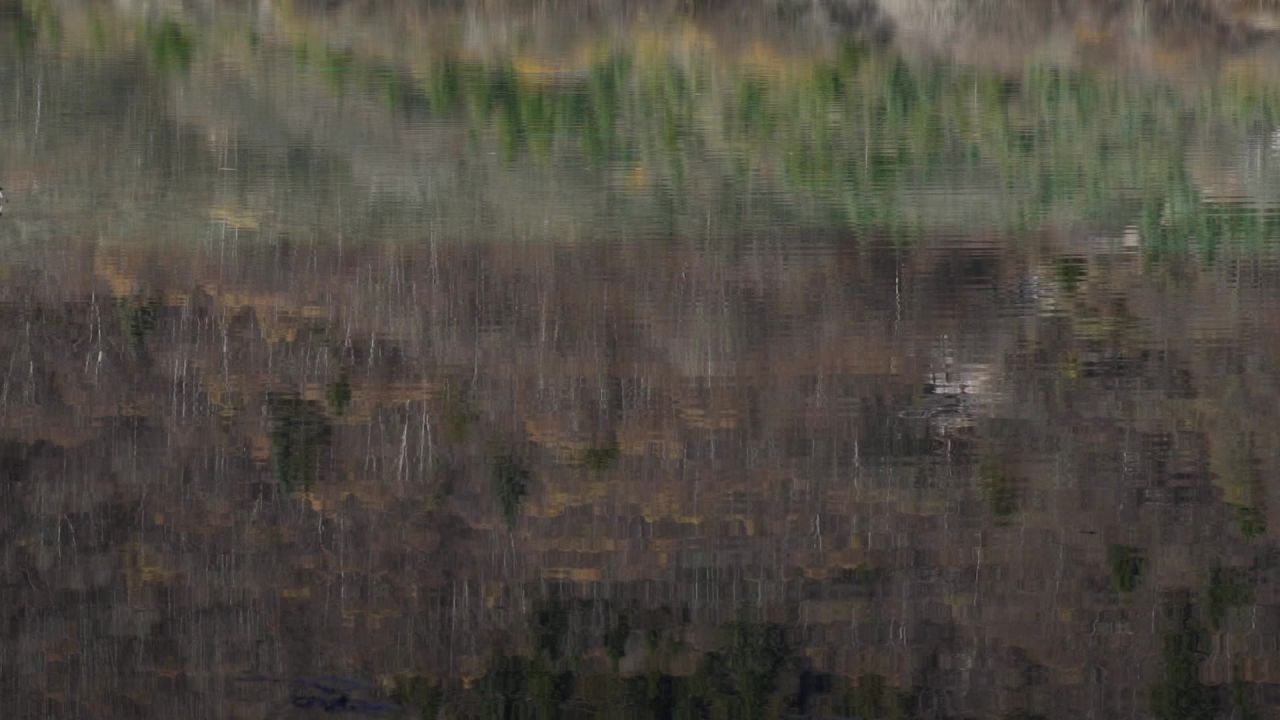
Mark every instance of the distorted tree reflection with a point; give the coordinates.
(510, 485)
(419, 697)
(1228, 588)
(615, 639)
(749, 668)
(172, 46)
(300, 435)
(599, 459)
(1126, 564)
(139, 317)
(1000, 489)
(338, 394)
(1236, 439)
(752, 671)
(1179, 694)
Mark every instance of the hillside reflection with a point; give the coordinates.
(691, 362)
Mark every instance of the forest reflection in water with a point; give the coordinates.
(822, 361)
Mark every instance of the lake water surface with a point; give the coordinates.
(629, 359)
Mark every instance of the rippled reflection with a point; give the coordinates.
(842, 359)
